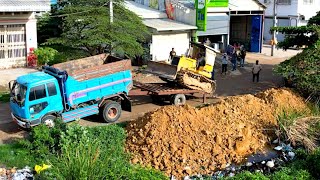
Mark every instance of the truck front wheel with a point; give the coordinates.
(111, 111)
(48, 120)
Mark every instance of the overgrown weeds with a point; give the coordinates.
(301, 128)
(77, 152)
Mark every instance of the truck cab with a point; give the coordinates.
(33, 97)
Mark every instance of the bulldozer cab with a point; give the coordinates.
(198, 50)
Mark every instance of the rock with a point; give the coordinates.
(263, 162)
(187, 178)
(259, 171)
(270, 164)
(248, 164)
(291, 154)
(278, 148)
(233, 169)
(276, 141)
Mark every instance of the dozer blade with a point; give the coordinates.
(161, 69)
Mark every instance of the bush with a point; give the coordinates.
(303, 70)
(77, 152)
(67, 53)
(97, 153)
(43, 141)
(45, 55)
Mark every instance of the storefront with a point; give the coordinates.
(246, 24)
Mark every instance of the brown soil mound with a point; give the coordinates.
(186, 140)
(283, 100)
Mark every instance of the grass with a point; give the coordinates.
(15, 155)
(77, 152)
(4, 96)
(301, 128)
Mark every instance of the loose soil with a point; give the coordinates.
(186, 141)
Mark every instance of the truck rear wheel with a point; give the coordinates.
(178, 99)
(48, 120)
(111, 111)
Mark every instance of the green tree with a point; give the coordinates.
(86, 24)
(300, 36)
(303, 70)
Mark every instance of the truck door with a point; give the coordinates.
(44, 99)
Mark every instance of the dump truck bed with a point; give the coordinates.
(96, 77)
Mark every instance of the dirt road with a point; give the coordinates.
(234, 83)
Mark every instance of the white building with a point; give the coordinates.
(289, 13)
(165, 33)
(18, 30)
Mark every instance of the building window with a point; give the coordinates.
(284, 2)
(307, 2)
(12, 41)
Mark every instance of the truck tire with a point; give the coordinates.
(48, 120)
(178, 99)
(111, 111)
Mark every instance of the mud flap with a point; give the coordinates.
(126, 104)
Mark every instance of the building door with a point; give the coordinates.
(255, 42)
(13, 43)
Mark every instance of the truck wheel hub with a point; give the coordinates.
(112, 113)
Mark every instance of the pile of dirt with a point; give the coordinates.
(186, 141)
(283, 100)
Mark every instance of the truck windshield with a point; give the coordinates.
(18, 93)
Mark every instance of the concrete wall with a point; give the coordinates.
(31, 33)
(295, 8)
(283, 10)
(163, 42)
(184, 14)
(268, 23)
(308, 10)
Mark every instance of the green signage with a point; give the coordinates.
(201, 15)
(218, 3)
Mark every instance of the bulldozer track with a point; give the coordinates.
(195, 81)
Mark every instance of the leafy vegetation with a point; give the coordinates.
(45, 55)
(4, 97)
(302, 70)
(15, 155)
(90, 28)
(77, 152)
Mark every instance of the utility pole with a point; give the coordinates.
(111, 20)
(274, 25)
(111, 11)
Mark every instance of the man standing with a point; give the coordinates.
(242, 55)
(256, 71)
(172, 54)
(234, 60)
(208, 42)
(224, 64)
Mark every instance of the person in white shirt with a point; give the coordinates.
(224, 63)
(256, 68)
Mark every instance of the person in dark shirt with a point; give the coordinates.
(172, 54)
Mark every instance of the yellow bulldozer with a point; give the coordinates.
(192, 70)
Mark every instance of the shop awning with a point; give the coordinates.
(167, 25)
(24, 5)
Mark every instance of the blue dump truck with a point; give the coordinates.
(72, 90)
